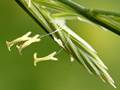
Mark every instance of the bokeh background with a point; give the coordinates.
(17, 71)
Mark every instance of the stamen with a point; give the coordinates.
(20, 39)
(28, 42)
(46, 58)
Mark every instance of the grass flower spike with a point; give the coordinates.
(52, 16)
(46, 58)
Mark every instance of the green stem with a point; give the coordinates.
(103, 12)
(90, 14)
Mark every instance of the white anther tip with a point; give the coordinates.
(19, 49)
(8, 45)
(35, 56)
(51, 56)
(35, 59)
(27, 34)
(71, 59)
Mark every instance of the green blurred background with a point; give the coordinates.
(18, 73)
